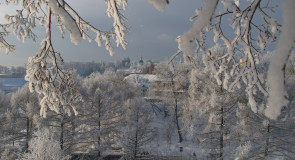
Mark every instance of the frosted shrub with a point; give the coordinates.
(43, 146)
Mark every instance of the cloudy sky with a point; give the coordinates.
(152, 33)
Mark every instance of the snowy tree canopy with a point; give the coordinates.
(254, 28)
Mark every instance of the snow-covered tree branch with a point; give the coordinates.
(44, 70)
(278, 96)
(254, 29)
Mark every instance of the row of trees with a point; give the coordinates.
(82, 68)
(5, 70)
(110, 116)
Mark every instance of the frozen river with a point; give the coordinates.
(11, 84)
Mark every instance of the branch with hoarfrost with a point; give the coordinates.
(22, 28)
(4, 44)
(78, 27)
(22, 25)
(44, 70)
(159, 4)
(120, 28)
(276, 74)
(47, 78)
(67, 19)
(243, 49)
(185, 41)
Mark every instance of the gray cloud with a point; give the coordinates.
(152, 33)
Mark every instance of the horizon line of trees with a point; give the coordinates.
(82, 68)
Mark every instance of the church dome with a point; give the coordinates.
(141, 61)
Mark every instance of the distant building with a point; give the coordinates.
(128, 67)
(150, 82)
(141, 62)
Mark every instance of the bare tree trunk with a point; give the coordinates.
(99, 128)
(176, 112)
(61, 140)
(135, 144)
(71, 147)
(136, 135)
(221, 140)
(99, 139)
(221, 133)
(27, 134)
(177, 121)
(266, 150)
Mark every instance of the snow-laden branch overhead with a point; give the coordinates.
(185, 41)
(276, 75)
(254, 28)
(44, 70)
(159, 4)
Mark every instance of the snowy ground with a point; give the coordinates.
(170, 147)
